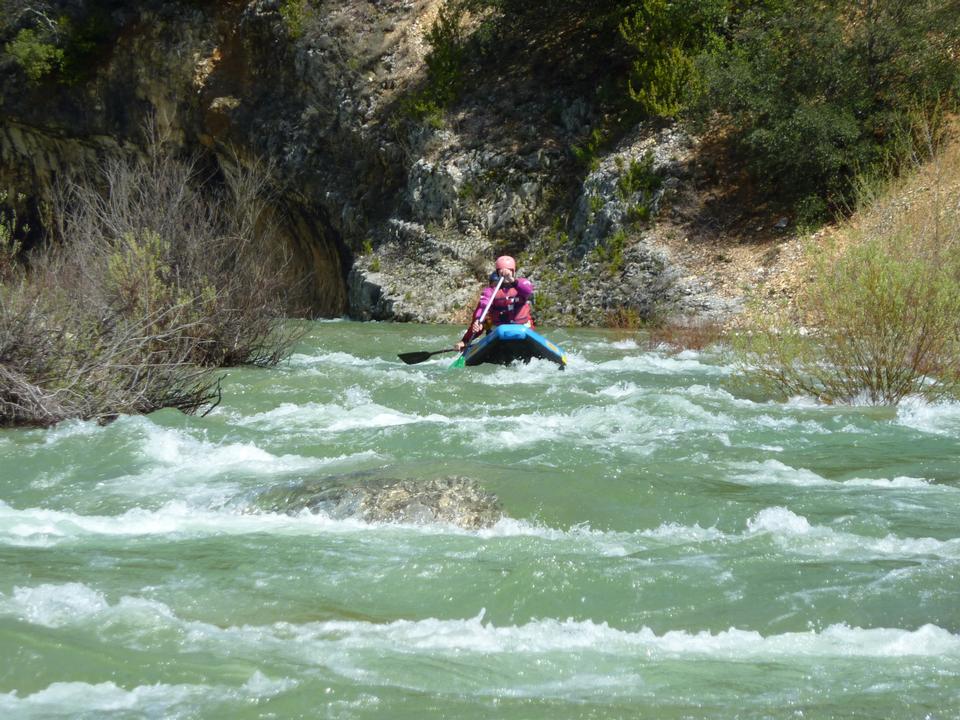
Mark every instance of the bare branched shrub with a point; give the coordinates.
(162, 235)
(9, 245)
(58, 361)
(160, 276)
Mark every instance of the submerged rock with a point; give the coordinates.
(452, 500)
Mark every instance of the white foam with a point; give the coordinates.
(580, 539)
(676, 533)
(901, 482)
(628, 428)
(621, 390)
(795, 534)
(44, 528)
(778, 521)
(658, 364)
(66, 699)
(333, 418)
(324, 642)
(550, 636)
(774, 472)
(179, 464)
(534, 372)
(936, 419)
(622, 344)
(804, 402)
(694, 394)
(709, 392)
(70, 429)
(261, 686)
(54, 605)
(174, 448)
(301, 360)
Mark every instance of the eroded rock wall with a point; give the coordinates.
(389, 217)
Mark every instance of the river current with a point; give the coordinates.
(676, 546)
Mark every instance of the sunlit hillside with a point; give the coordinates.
(880, 292)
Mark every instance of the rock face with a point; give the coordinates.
(390, 217)
(452, 500)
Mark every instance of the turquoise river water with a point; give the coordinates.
(677, 546)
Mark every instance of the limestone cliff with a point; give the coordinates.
(391, 218)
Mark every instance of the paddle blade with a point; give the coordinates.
(412, 358)
(459, 362)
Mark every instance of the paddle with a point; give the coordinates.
(412, 358)
(462, 360)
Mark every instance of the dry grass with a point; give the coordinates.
(676, 338)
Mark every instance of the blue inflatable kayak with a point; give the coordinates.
(508, 343)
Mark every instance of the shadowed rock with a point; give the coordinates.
(451, 500)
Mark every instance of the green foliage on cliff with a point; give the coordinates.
(588, 153)
(295, 14)
(809, 94)
(66, 48)
(638, 176)
(666, 38)
(446, 57)
(36, 57)
(445, 65)
(610, 252)
(816, 90)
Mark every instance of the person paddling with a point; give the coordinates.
(510, 304)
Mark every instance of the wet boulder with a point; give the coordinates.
(451, 500)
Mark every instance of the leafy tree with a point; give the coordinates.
(667, 36)
(67, 47)
(446, 57)
(36, 56)
(815, 90)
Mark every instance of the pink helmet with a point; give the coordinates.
(506, 262)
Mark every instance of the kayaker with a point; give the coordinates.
(510, 305)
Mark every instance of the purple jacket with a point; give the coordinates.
(509, 305)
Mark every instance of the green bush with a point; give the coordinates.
(639, 176)
(596, 203)
(445, 60)
(885, 309)
(68, 47)
(815, 90)
(295, 14)
(610, 252)
(666, 38)
(37, 57)
(445, 66)
(588, 154)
